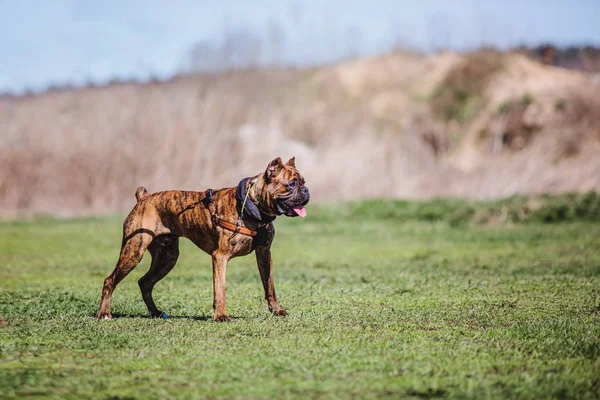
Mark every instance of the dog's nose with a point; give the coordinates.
(304, 193)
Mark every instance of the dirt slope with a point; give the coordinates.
(481, 125)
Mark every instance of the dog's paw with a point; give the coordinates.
(104, 316)
(280, 313)
(221, 318)
(160, 314)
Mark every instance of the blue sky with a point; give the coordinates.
(59, 41)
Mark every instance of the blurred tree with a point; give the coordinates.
(276, 36)
(240, 48)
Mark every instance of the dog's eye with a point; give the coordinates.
(292, 185)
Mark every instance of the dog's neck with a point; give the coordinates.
(258, 193)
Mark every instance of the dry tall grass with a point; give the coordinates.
(365, 128)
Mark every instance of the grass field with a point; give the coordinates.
(386, 300)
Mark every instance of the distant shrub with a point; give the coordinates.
(516, 209)
(551, 213)
(527, 100)
(517, 131)
(569, 208)
(461, 95)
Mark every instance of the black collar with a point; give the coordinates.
(250, 209)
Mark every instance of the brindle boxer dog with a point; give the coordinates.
(225, 223)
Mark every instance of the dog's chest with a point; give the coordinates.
(240, 245)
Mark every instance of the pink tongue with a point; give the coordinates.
(301, 211)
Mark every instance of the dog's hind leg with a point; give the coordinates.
(132, 252)
(165, 251)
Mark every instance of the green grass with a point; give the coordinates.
(386, 300)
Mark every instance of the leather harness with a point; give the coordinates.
(236, 227)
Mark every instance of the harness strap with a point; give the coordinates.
(230, 226)
(236, 228)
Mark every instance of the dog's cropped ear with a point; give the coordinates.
(274, 168)
(291, 162)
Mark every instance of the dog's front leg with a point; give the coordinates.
(219, 286)
(265, 267)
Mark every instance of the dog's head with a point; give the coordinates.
(285, 188)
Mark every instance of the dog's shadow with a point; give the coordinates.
(190, 317)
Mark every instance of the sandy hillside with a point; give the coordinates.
(482, 125)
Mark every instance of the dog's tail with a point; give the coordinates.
(141, 193)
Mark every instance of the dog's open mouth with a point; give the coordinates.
(294, 211)
(299, 211)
